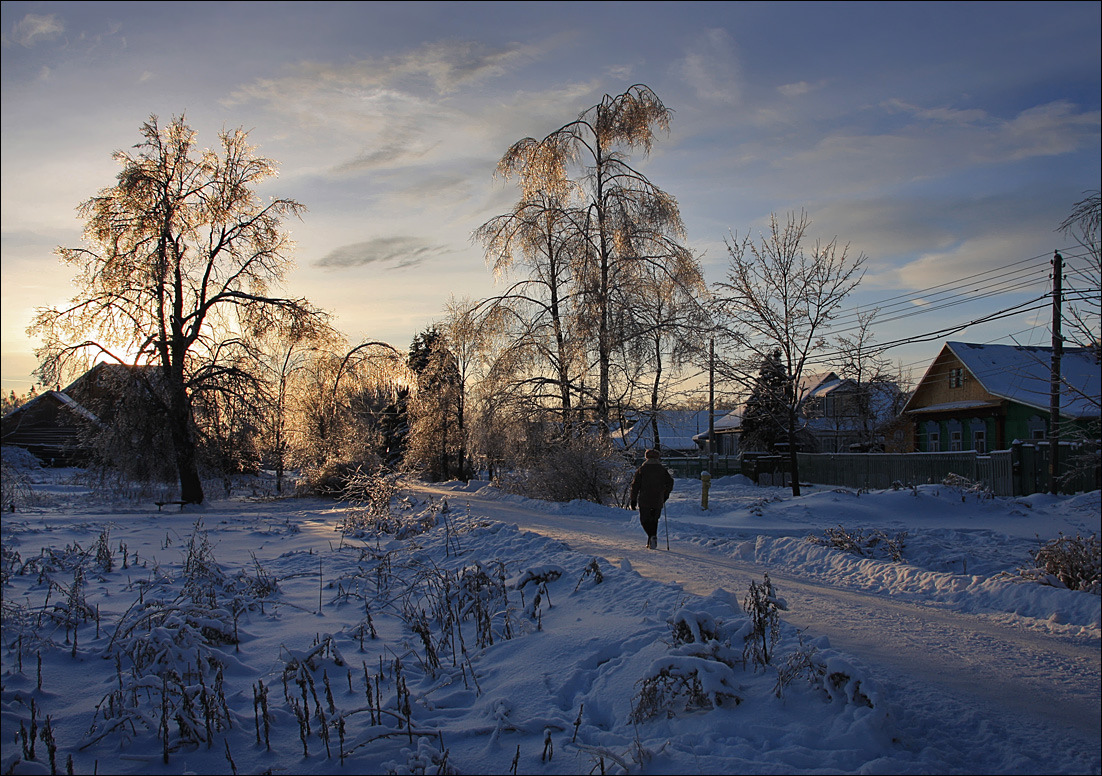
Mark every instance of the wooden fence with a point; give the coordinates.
(1019, 471)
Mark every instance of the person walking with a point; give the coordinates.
(650, 488)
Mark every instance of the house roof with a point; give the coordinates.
(819, 384)
(57, 397)
(1021, 374)
(676, 430)
(956, 406)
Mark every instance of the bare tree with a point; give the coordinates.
(1083, 313)
(878, 397)
(663, 330)
(180, 255)
(781, 295)
(543, 314)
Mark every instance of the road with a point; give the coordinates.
(955, 662)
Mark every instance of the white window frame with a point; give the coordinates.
(979, 440)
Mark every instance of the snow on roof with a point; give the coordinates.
(75, 406)
(818, 384)
(1022, 373)
(952, 406)
(676, 430)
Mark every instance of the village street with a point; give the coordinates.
(933, 659)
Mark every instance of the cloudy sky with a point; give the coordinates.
(940, 140)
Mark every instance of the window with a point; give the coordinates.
(954, 441)
(956, 377)
(979, 441)
(1038, 434)
(933, 442)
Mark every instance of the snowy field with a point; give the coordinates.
(491, 634)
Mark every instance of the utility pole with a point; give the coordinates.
(712, 406)
(1054, 375)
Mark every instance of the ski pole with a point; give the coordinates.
(666, 520)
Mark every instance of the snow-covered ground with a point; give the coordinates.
(507, 635)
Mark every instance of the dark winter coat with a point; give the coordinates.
(651, 486)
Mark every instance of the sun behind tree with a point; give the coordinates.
(179, 258)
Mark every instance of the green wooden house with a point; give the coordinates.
(985, 397)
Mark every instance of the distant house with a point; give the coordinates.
(837, 415)
(841, 415)
(983, 397)
(53, 426)
(682, 432)
(728, 426)
(50, 426)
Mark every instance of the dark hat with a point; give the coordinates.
(653, 454)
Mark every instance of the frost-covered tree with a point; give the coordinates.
(436, 433)
(542, 315)
(180, 259)
(583, 201)
(349, 412)
(14, 400)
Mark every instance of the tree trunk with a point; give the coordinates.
(793, 459)
(654, 393)
(187, 465)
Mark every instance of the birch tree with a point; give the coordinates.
(180, 256)
(617, 221)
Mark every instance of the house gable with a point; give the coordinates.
(49, 426)
(949, 384)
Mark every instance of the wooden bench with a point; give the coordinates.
(163, 503)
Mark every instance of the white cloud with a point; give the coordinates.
(423, 107)
(712, 69)
(979, 254)
(795, 89)
(939, 142)
(33, 29)
(946, 115)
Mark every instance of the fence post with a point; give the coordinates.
(1017, 468)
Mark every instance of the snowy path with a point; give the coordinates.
(943, 662)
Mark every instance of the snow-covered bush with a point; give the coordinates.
(966, 487)
(16, 490)
(1074, 563)
(540, 577)
(370, 489)
(699, 672)
(873, 543)
(482, 595)
(168, 653)
(582, 468)
(801, 662)
(762, 606)
(684, 684)
(372, 519)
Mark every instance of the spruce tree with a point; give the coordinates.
(763, 421)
